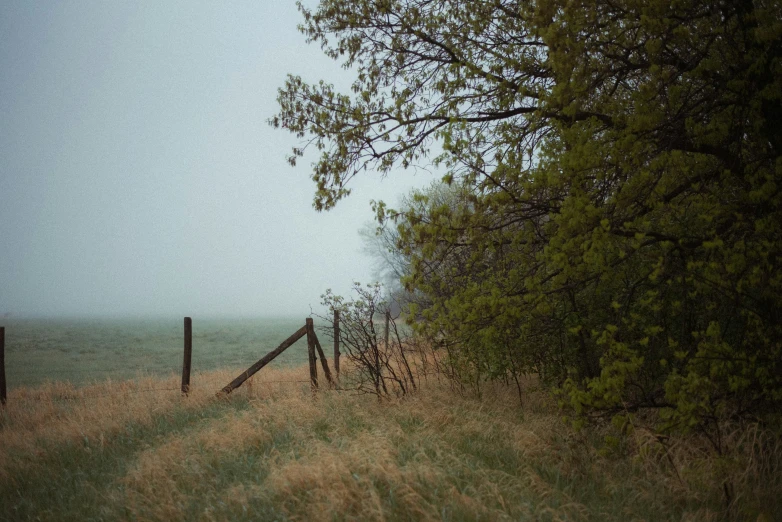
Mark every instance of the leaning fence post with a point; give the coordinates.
(2, 366)
(336, 343)
(323, 362)
(311, 353)
(263, 361)
(187, 356)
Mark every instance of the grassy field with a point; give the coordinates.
(84, 351)
(137, 450)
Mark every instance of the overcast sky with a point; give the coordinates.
(139, 176)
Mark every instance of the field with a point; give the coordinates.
(93, 350)
(138, 450)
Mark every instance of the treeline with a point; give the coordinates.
(611, 215)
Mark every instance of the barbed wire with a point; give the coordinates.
(89, 370)
(124, 392)
(264, 382)
(222, 365)
(79, 396)
(130, 370)
(113, 394)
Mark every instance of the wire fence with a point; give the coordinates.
(80, 396)
(126, 373)
(24, 373)
(77, 394)
(19, 374)
(79, 357)
(27, 381)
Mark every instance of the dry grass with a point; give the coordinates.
(271, 451)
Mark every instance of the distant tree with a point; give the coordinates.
(389, 265)
(383, 243)
(618, 162)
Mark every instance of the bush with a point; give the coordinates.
(378, 361)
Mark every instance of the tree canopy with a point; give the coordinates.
(613, 221)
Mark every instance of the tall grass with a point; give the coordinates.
(273, 451)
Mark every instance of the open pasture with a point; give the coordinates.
(84, 351)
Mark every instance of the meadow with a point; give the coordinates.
(88, 350)
(137, 449)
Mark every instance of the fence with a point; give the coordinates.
(312, 343)
(307, 329)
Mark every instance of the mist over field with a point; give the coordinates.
(140, 176)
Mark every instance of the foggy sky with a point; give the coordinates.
(139, 176)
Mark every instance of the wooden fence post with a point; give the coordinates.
(311, 353)
(388, 320)
(2, 366)
(187, 356)
(336, 343)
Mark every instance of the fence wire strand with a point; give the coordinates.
(91, 370)
(119, 393)
(78, 396)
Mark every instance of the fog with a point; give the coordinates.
(139, 175)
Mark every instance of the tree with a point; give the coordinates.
(619, 164)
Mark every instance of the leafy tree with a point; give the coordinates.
(617, 165)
